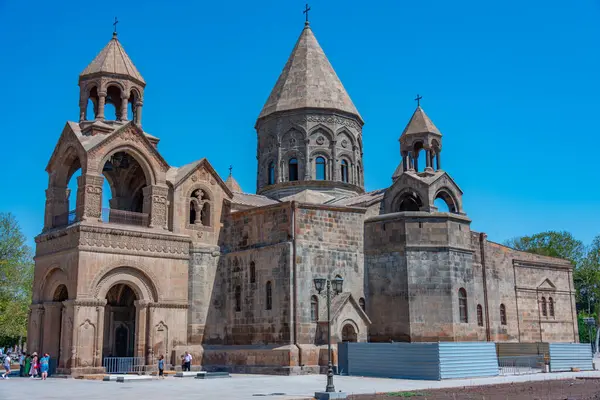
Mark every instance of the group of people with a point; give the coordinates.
(29, 365)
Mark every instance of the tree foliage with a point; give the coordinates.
(16, 279)
(552, 244)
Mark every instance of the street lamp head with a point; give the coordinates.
(319, 284)
(337, 284)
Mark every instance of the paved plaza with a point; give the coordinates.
(242, 387)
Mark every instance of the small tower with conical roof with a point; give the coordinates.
(111, 78)
(420, 135)
(309, 131)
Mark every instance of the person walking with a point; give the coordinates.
(6, 367)
(27, 365)
(187, 361)
(34, 365)
(161, 367)
(45, 365)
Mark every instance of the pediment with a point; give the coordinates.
(344, 300)
(201, 169)
(547, 285)
(445, 180)
(67, 139)
(132, 134)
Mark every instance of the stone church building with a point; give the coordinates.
(183, 260)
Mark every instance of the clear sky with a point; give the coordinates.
(514, 87)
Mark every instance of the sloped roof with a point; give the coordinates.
(365, 199)
(308, 80)
(251, 200)
(309, 196)
(420, 123)
(113, 59)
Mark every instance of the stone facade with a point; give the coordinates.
(184, 261)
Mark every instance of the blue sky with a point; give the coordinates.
(514, 86)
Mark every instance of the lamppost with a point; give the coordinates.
(335, 284)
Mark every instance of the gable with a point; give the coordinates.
(444, 180)
(547, 285)
(205, 169)
(345, 300)
(67, 139)
(131, 134)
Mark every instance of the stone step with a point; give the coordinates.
(212, 375)
(186, 374)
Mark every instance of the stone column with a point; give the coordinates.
(150, 336)
(101, 102)
(35, 330)
(280, 174)
(83, 111)
(123, 111)
(156, 205)
(57, 207)
(68, 349)
(138, 113)
(141, 327)
(308, 163)
(334, 171)
(428, 160)
(52, 328)
(99, 333)
(89, 197)
(439, 161)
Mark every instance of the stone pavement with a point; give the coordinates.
(239, 387)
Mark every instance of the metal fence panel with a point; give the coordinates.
(123, 365)
(521, 365)
(522, 349)
(467, 360)
(390, 360)
(564, 356)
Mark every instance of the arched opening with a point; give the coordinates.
(238, 299)
(200, 208)
(358, 175)
(362, 304)
(314, 308)
(271, 179)
(344, 169)
(502, 314)
(131, 102)
(123, 190)
(479, 315)
(444, 202)
(72, 186)
(92, 105)
(435, 155)
(269, 295)
(418, 155)
(462, 305)
(551, 306)
(349, 333)
(320, 168)
(293, 169)
(409, 201)
(252, 272)
(119, 322)
(544, 307)
(55, 313)
(112, 106)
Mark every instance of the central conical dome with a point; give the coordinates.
(308, 81)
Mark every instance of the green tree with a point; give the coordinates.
(16, 278)
(551, 243)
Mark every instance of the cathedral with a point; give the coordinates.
(183, 260)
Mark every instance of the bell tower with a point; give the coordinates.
(111, 78)
(309, 131)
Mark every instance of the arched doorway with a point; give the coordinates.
(119, 322)
(349, 333)
(57, 313)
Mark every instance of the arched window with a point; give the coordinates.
(479, 315)
(544, 307)
(293, 170)
(361, 303)
(320, 169)
(314, 309)
(462, 305)
(344, 170)
(271, 173)
(199, 208)
(551, 306)
(269, 296)
(502, 314)
(238, 298)
(252, 272)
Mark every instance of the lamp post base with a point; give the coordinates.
(330, 395)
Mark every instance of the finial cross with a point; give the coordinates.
(230, 169)
(418, 100)
(115, 25)
(306, 10)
